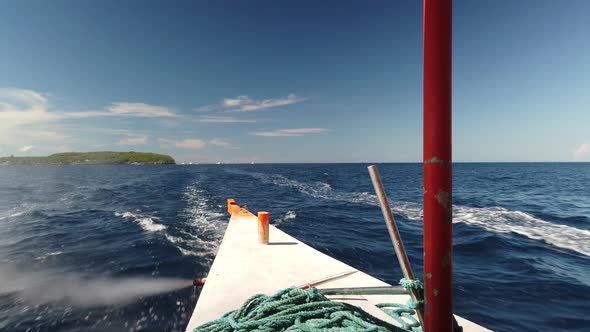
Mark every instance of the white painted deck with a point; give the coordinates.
(243, 267)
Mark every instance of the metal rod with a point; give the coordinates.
(396, 240)
(380, 290)
(438, 242)
(326, 279)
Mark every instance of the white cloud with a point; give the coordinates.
(239, 100)
(245, 103)
(222, 119)
(133, 140)
(189, 143)
(25, 148)
(582, 152)
(193, 143)
(293, 132)
(221, 143)
(19, 107)
(140, 109)
(128, 109)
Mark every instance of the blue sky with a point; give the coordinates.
(290, 81)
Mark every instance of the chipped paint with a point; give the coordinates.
(435, 292)
(436, 160)
(428, 275)
(444, 198)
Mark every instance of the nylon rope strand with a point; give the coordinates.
(297, 310)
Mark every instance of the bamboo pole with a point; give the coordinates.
(396, 240)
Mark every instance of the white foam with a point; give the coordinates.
(205, 225)
(290, 215)
(494, 219)
(501, 220)
(200, 236)
(18, 211)
(314, 189)
(55, 253)
(147, 223)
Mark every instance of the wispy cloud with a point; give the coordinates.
(26, 148)
(133, 140)
(222, 119)
(189, 143)
(22, 110)
(195, 144)
(237, 101)
(20, 107)
(245, 103)
(140, 109)
(221, 143)
(292, 132)
(582, 152)
(130, 110)
(28, 118)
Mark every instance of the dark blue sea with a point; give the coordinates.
(113, 248)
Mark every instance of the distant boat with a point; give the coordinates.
(218, 163)
(252, 163)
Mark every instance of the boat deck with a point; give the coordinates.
(243, 267)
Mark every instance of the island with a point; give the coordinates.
(91, 158)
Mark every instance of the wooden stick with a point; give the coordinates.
(263, 219)
(396, 240)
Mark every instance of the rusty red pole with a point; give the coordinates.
(438, 229)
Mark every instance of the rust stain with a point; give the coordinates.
(436, 160)
(444, 199)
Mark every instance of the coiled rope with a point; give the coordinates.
(295, 309)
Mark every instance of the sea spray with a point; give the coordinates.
(38, 287)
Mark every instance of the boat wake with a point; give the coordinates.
(501, 220)
(205, 225)
(201, 232)
(493, 219)
(146, 222)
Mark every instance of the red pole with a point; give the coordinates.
(438, 228)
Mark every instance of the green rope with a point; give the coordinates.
(408, 283)
(403, 314)
(297, 310)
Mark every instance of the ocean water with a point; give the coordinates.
(113, 248)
